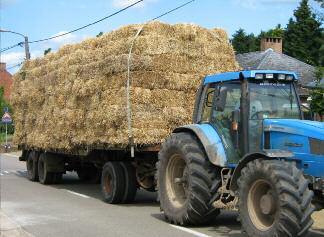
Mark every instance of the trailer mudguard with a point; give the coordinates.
(210, 140)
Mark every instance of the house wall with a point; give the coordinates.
(5, 81)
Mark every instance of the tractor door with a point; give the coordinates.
(225, 102)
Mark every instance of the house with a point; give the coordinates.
(271, 57)
(5, 80)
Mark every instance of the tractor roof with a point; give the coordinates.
(231, 76)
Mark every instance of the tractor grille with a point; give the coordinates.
(316, 146)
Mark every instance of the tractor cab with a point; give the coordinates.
(237, 103)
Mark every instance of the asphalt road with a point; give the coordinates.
(76, 209)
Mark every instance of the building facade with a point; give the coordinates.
(6, 81)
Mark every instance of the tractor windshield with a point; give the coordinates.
(273, 100)
(269, 100)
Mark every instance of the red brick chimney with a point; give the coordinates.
(274, 43)
(5, 80)
(2, 67)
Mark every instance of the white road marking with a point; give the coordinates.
(78, 194)
(1, 174)
(195, 233)
(6, 172)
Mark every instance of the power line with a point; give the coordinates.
(80, 28)
(115, 13)
(90, 24)
(11, 47)
(172, 10)
(17, 65)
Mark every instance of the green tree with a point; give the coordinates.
(321, 2)
(317, 95)
(3, 105)
(278, 31)
(46, 51)
(244, 43)
(303, 36)
(100, 34)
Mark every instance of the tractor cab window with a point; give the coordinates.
(226, 102)
(269, 100)
(273, 100)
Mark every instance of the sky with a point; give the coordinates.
(40, 19)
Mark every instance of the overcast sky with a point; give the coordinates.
(44, 18)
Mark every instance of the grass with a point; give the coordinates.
(3, 138)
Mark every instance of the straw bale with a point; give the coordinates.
(76, 97)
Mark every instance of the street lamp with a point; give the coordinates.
(26, 41)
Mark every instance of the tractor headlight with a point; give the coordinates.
(259, 76)
(289, 77)
(281, 77)
(269, 76)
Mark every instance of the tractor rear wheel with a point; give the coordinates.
(184, 178)
(274, 199)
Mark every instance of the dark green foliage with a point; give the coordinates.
(317, 95)
(4, 104)
(46, 51)
(278, 31)
(321, 2)
(244, 43)
(100, 34)
(304, 36)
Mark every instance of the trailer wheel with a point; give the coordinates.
(32, 169)
(113, 182)
(274, 199)
(44, 176)
(130, 182)
(184, 179)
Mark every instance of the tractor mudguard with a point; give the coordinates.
(209, 139)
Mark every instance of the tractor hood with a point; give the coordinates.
(295, 126)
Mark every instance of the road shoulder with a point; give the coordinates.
(8, 228)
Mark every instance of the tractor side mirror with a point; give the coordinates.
(209, 97)
(221, 99)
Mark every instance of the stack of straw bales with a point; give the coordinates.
(76, 97)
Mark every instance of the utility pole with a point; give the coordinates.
(25, 41)
(27, 48)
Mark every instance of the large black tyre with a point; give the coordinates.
(184, 178)
(130, 182)
(113, 182)
(89, 174)
(44, 176)
(31, 163)
(274, 199)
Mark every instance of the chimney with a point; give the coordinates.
(274, 43)
(2, 67)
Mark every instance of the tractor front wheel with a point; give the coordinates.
(274, 199)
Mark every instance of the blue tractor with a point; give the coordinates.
(247, 149)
